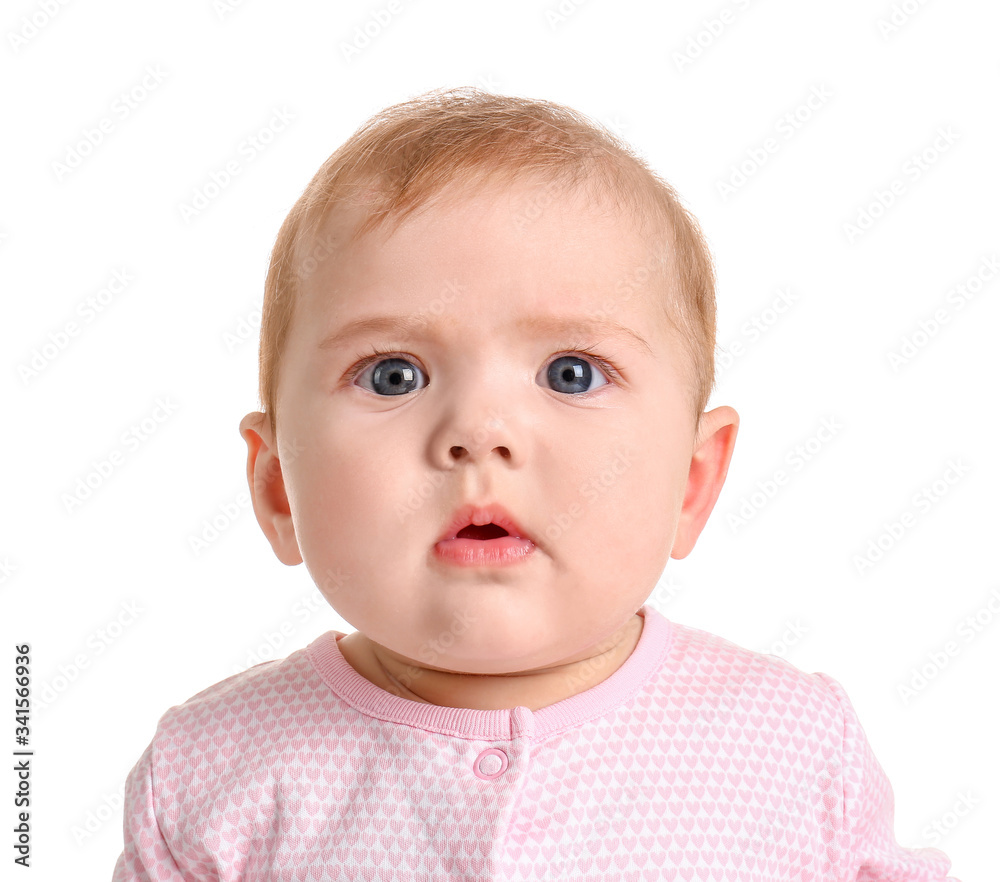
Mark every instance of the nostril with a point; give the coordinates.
(486, 531)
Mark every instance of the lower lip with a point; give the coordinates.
(500, 552)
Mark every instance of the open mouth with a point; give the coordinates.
(485, 532)
(489, 544)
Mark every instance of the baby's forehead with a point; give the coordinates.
(445, 234)
(354, 251)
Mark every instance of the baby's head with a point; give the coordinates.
(486, 309)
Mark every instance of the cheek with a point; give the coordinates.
(348, 525)
(357, 485)
(589, 506)
(636, 493)
(632, 498)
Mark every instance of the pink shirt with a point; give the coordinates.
(696, 760)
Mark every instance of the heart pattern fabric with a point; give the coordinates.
(696, 760)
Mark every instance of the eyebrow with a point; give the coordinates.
(412, 327)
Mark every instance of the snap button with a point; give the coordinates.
(490, 763)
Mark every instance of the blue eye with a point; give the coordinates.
(572, 374)
(392, 376)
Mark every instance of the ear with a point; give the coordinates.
(713, 450)
(267, 488)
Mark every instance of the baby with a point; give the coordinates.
(486, 353)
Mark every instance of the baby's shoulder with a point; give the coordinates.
(706, 664)
(255, 703)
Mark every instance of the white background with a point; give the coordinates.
(787, 580)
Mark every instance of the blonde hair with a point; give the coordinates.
(411, 152)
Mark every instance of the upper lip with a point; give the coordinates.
(479, 514)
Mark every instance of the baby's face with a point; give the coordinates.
(486, 399)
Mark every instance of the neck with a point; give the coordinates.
(533, 689)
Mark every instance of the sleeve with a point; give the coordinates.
(147, 857)
(873, 855)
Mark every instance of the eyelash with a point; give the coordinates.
(377, 352)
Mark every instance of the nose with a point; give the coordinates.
(479, 439)
(482, 413)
